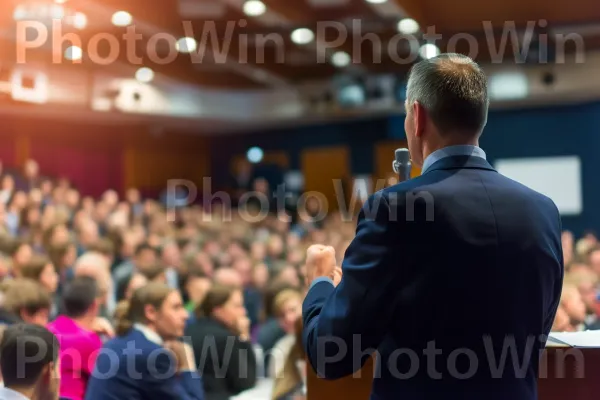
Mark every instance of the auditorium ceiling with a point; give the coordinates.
(240, 51)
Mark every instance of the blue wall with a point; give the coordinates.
(540, 132)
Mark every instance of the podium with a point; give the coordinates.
(565, 373)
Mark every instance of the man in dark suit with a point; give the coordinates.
(454, 277)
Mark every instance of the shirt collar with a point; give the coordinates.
(149, 334)
(450, 151)
(9, 394)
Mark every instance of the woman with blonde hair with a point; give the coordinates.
(290, 380)
(152, 322)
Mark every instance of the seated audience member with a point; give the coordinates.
(270, 331)
(152, 322)
(586, 282)
(290, 381)
(574, 306)
(562, 322)
(29, 363)
(28, 301)
(197, 284)
(96, 266)
(41, 270)
(227, 277)
(20, 253)
(222, 330)
(288, 309)
(145, 256)
(75, 332)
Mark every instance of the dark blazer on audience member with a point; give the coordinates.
(475, 267)
(153, 377)
(234, 370)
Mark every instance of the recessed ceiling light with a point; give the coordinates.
(302, 36)
(376, 1)
(73, 53)
(341, 59)
(144, 75)
(80, 20)
(408, 26)
(186, 45)
(429, 50)
(122, 18)
(254, 8)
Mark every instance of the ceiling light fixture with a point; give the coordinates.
(254, 8)
(186, 45)
(122, 18)
(341, 59)
(73, 53)
(302, 36)
(144, 75)
(376, 1)
(429, 50)
(408, 26)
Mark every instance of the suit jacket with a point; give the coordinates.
(134, 368)
(227, 365)
(450, 275)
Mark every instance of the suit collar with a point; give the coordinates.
(460, 162)
(149, 334)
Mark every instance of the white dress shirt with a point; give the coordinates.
(9, 394)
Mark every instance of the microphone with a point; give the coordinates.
(402, 165)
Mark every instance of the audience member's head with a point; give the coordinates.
(28, 300)
(287, 307)
(21, 252)
(586, 281)
(225, 304)
(81, 298)
(594, 259)
(573, 304)
(145, 255)
(41, 270)
(157, 307)
(95, 265)
(197, 284)
(228, 277)
(154, 273)
(29, 361)
(137, 281)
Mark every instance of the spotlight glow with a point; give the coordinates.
(80, 21)
(302, 36)
(341, 59)
(254, 8)
(255, 155)
(408, 26)
(429, 50)
(186, 45)
(122, 18)
(144, 75)
(73, 53)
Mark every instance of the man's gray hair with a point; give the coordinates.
(453, 90)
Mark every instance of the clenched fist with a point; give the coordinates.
(320, 261)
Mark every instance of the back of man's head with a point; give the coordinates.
(452, 88)
(80, 295)
(28, 351)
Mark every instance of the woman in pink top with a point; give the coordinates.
(79, 344)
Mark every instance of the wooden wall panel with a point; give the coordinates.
(324, 166)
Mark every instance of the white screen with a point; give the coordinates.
(557, 177)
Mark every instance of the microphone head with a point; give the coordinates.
(402, 156)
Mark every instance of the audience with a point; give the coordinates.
(85, 267)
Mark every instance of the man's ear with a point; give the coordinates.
(420, 118)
